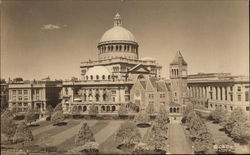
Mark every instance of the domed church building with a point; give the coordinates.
(107, 81)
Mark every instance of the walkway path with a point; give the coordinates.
(178, 143)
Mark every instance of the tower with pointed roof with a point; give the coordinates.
(178, 78)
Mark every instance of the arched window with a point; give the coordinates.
(125, 47)
(97, 96)
(90, 97)
(113, 108)
(107, 108)
(97, 77)
(177, 72)
(104, 97)
(120, 48)
(103, 108)
(91, 77)
(128, 48)
(84, 108)
(103, 77)
(171, 110)
(116, 48)
(174, 110)
(109, 77)
(84, 97)
(112, 48)
(87, 77)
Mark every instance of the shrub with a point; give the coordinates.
(30, 116)
(142, 148)
(49, 110)
(128, 134)
(150, 109)
(7, 114)
(241, 132)
(162, 119)
(91, 148)
(8, 127)
(57, 117)
(203, 143)
(93, 110)
(23, 133)
(84, 135)
(157, 138)
(58, 107)
(237, 116)
(142, 118)
(225, 146)
(218, 114)
(123, 110)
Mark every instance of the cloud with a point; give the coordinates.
(50, 27)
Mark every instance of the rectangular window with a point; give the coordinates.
(239, 97)
(113, 99)
(246, 96)
(231, 97)
(239, 88)
(20, 98)
(231, 88)
(247, 108)
(25, 98)
(14, 92)
(19, 92)
(25, 104)
(113, 92)
(19, 104)
(37, 91)
(25, 92)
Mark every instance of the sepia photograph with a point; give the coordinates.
(124, 77)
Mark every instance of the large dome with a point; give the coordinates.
(117, 33)
(117, 42)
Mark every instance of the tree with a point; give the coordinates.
(23, 133)
(203, 143)
(186, 111)
(57, 117)
(91, 148)
(75, 110)
(58, 107)
(128, 135)
(162, 119)
(123, 110)
(49, 110)
(7, 114)
(30, 116)
(84, 135)
(8, 127)
(150, 109)
(219, 114)
(241, 132)
(157, 139)
(142, 118)
(93, 110)
(237, 116)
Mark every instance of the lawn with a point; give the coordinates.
(62, 137)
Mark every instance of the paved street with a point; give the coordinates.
(177, 140)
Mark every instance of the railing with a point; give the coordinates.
(116, 60)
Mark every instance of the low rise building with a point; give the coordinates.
(34, 95)
(211, 90)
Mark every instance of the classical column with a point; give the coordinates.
(214, 92)
(219, 93)
(223, 93)
(87, 95)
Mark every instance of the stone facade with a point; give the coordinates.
(36, 94)
(219, 89)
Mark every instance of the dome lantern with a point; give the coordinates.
(117, 20)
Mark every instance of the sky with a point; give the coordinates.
(41, 38)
